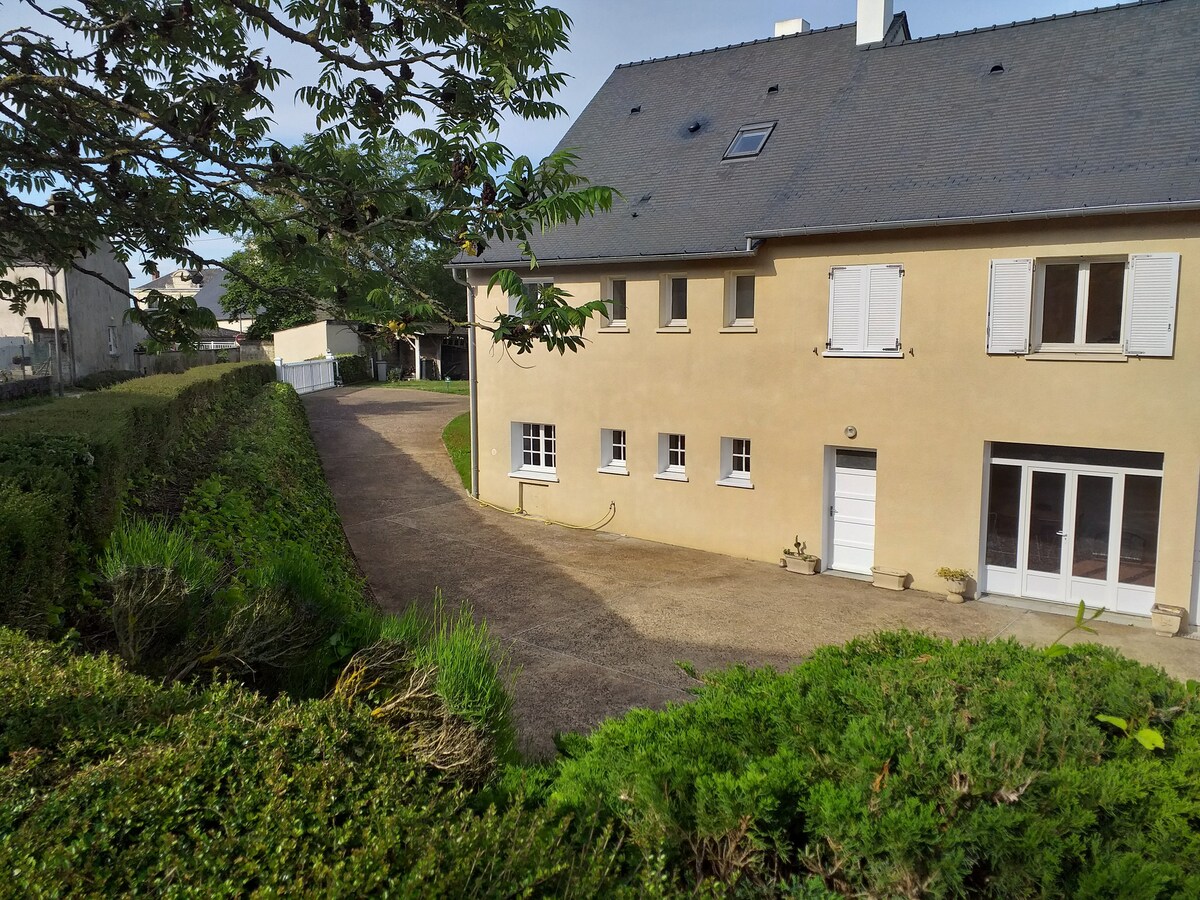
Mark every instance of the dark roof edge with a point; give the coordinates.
(998, 218)
(610, 260)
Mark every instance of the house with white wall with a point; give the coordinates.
(923, 301)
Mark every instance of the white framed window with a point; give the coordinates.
(613, 452)
(749, 140)
(534, 451)
(531, 287)
(615, 298)
(864, 311)
(739, 300)
(1099, 305)
(672, 457)
(673, 307)
(735, 463)
(112, 340)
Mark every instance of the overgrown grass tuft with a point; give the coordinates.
(461, 388)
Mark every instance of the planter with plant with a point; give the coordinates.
(1168, 620)
(798, 561)
(957, 582)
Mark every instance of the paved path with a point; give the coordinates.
(595, 621)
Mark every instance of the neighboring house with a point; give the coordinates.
(914, 300)
(93, 332)
(313, 341)
(442, 349)
(209, 293)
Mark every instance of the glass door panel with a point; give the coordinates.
(1093, 520)
(1047, 493)
(1139, 530)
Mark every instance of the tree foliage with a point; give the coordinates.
(148, 124)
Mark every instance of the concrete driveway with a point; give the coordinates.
(595, 621)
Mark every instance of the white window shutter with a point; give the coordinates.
(883, 308)
(846, 314)
(1010, 300)
(1153, 295)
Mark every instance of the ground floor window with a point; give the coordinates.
(672, 457)
(535, 450)
(612, 451)
(1069, 524)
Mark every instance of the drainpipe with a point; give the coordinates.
(53, 273)
(472, 380)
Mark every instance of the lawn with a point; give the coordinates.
(457, 438)
(438, 387)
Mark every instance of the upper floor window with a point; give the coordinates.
(534, 451)
(864, 310)
(1096, 305)
(674, 303)
(531, 289)
(112, 340)
(739, 300)
(613, 452)
(616, 303)
(672, 457)
(735, 462)
(750, 140)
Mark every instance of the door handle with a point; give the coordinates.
(1061, 533)
(832, 510)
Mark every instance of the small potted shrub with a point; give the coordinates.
(957, 580)
(798, 561)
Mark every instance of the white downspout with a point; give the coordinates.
(472, 381)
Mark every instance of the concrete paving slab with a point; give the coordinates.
(595, 621)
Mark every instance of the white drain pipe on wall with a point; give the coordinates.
(472, 379)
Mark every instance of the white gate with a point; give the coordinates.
(309, 376)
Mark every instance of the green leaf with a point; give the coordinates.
(1151, 739)
(1054, 651)
(1113, 720)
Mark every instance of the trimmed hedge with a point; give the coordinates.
(904, 765)
(79, 458)
(354, 369)
(111, 786)
(106, 378)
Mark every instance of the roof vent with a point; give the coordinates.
(773, 89)
(792, 26)
(635, 110)
(693, 128)
(874, 17)
(997, 69)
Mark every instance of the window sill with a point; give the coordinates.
(1080, 356)
(739, 329)
(613, 470)
(743, 483)
(674, 329)
(866, 354)
(671, 476)
(614, 329)
(525, 475)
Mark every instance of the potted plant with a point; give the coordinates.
(1167, 620)
(957, 579)
(799, 561)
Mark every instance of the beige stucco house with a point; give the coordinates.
(207, 290)
(923, 302)
(93, 332)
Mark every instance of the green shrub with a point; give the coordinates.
(110, 786)
(903, 765)
(354, 369)
(34, 558)
(456, 437)
(106, 378)
(82, 455)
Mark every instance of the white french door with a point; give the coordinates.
(1067, 533)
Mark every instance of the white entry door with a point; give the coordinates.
(852, 512)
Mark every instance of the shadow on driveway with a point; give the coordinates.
(595, 621)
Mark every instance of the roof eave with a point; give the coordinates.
(991, 219)
(611, 260)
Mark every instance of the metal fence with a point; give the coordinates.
(310, 376)
(21, 358)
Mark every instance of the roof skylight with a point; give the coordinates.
(750, 140)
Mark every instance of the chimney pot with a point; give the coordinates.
(791, 26)
(874, 17)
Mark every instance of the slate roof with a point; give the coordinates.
(210, 293)
(1093, 109)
